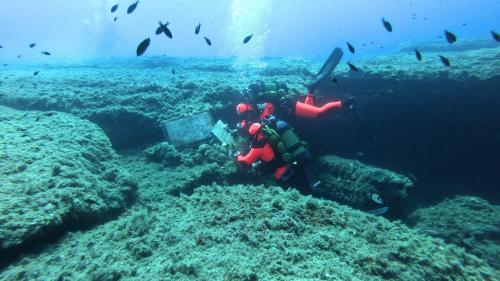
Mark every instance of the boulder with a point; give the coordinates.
(56, 170)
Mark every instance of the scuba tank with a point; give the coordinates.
(287, 143)
(271, 91)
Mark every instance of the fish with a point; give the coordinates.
(19, 56)
(209, 43)
(450, 37)
(334, 80)
(132, 7)
(114, 8)
(115, 18)
(143, 46)
(464, 24)
(418, 55)
(495, 36)
(197, 29)
(5, 64)
(32, 45)
(1, 47)
(352, 67)
(36, 73)
(351, 48)
(38, 118)
(425, 18)
(163, 28)
(247, 38)
(46, 53)
(445, 61)
(387, 25)
(173, 71)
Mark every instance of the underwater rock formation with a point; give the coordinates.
(361, 186)
(56, 171)
(245, 232)
(188, 167)
(469, 222)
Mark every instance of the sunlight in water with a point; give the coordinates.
(247, 17)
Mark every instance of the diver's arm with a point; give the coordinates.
(253, 155)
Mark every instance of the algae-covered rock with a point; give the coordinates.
(184, 168)
(361, 186)
(469, 222)
(244, 232)
(55, 169)
(164, 153)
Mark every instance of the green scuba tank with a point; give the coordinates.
(269, 91)
(287, 144)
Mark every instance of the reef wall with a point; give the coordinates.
(437, 123)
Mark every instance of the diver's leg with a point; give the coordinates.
(309, 99)
(311, 111)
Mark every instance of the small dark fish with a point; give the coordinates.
(5, 64)
(364, 44)
(1, 47)
(352, 67)
(425, 18)
(414, 14)
(387, 25)
(371, 43)
(351, 48)
(209, 43)
(115, 18)
(495, 35)
(114, 8)
(173, 71)
(440, 36)
(163, 28)
(32, 45)
(19, 56)
(418, 55)
(444, 60)
(46, 53)
(450, 37)
(38, 118)
(334, 80)
(247, 38)
(197, 29)
(132, 7)
(36, 73)
(143, 46)
(464, 24)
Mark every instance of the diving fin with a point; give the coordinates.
(327, 68)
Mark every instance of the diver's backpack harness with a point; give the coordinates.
(286, 142)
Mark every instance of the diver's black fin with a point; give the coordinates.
(327, 68)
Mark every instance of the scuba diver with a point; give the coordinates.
(274, 143)
(263, 99)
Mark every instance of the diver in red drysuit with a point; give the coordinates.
(261, 150)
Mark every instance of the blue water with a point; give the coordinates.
(85, 28)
